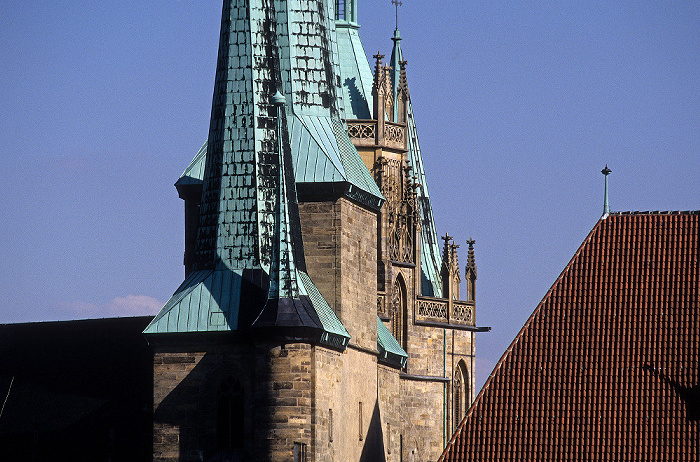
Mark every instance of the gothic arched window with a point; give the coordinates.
(398, 311)
(461, 388)
(230, 415)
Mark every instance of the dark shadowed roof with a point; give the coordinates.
(608, 365)
(76, 390)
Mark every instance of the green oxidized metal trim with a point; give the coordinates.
(390, 350)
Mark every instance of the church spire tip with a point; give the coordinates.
(396, 3)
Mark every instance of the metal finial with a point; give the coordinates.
(278, 98)
(606, 205)
(398, 4)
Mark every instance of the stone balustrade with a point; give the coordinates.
(436, 310)
(365, 133)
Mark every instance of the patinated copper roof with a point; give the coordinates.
(249, 269)
(608, 365)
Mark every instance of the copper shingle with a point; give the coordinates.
(607, 367)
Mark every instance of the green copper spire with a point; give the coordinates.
(395, 63)
(355, 73)
(317, 96)
(249, 269)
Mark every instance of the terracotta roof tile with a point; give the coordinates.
(607, 367)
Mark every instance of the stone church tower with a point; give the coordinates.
(318, 320)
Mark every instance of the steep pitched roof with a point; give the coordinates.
(608, 365)
(390, 350)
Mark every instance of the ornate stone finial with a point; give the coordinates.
(471, 262)
(606, 205)
(378, 73)
(448, 253)
(378, 61)
(455, 260)
(446, 271)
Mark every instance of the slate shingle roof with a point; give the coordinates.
(608, 365)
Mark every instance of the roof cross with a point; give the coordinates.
(398, 4)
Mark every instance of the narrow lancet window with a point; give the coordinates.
(230, 415)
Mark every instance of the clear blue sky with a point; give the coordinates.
(519, 105)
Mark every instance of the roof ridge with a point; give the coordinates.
(657, 212)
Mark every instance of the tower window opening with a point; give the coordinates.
(340, 10)
(345, 10)
(457, 401)
(230, 415)
(300, 452)
(359, 422)
(460, 392)
(399, 312)
(330, 425)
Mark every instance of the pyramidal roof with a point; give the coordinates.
(607, 367)
(309, 72)
(249, 269)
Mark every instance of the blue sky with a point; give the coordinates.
(519, 105)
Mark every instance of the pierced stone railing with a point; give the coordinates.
(436, 310)
(432, 309)
(395, 135)
(364, 133)
(462, 313)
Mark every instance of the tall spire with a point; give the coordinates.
(396, 66)
(606, 206)
(249, 269)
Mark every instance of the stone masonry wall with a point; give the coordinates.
(433, 353)
(390, 402)
(421, 413)
(340, 245)
(347, 385)
(278, 397)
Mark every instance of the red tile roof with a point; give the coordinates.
(607, 367)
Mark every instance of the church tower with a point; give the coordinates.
(418, 297)
(311, 324)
